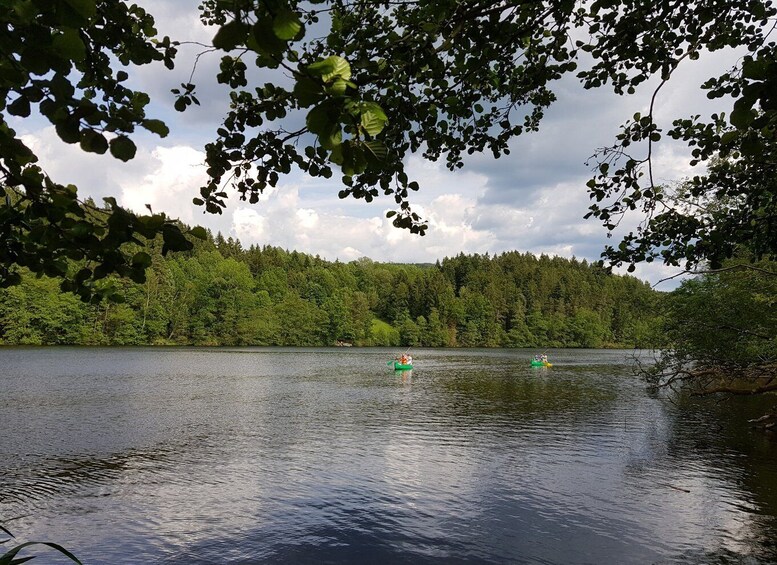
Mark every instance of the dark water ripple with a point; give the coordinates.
(326, 456)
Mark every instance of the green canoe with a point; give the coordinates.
(400, 367)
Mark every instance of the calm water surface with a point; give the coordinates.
(194, 456)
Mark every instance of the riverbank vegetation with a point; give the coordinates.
(722, 327)
(222, 294)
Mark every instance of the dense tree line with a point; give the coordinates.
(222, 294)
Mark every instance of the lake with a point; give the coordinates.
(272, 455)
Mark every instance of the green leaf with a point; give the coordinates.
(25, 10)
(728, 137)
(338, 87)
(149, 225)
(20, 107)
(123, 148)
(69, 44)
(156, 126)
(11, 279)
(38, 61)
(330, 68)
(141, 259)
(286, 25)
(336, 155)
(741, 116)
(263, 39)
(61, 87)
(174, 240)
(199, 232)
(376, 149)
(373, 118)
(117, 298)
(320, 68)
(93, 142)
(231, 35)
(308, 92)
(324, 121)
(322, 118)
(331, 138)
(754, 69)
(82, 275)
(84, 8)
(751, 145)
(68, 131)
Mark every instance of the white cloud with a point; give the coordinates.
(170, 184)
(68, 164)
(307, 218)
(335, 231)
(248, 225)
(351, 254)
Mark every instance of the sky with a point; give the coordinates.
(531, 200)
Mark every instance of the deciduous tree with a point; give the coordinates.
(61, 58)
(722, 327)
(362, 85)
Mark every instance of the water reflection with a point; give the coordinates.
(260, 455)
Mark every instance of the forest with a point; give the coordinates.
(219, 293)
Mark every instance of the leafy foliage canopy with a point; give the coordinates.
(381, 80)
(59, 59)
(362, 85)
